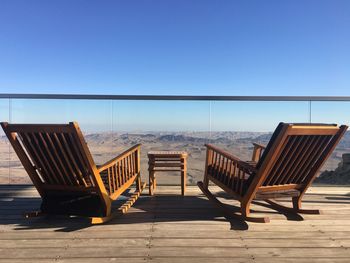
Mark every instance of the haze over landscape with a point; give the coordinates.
(106, 145)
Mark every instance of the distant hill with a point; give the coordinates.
(339, 176)
(105, 145)
(239, 143)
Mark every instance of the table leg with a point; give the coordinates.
(183, 175)
(151, 182)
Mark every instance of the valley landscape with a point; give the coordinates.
(104, 146)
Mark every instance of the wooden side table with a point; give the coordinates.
(165, 161)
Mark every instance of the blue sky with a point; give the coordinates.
(175, 47)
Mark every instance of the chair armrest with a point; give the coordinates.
(257, 151)
(119, 173)
(118, 158)
(244, 165)
(258, 145)
(227, 170)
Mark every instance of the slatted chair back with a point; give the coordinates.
(55, 157)
(294, 155)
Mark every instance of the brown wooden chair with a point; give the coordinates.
(285, 168)
(60, 165)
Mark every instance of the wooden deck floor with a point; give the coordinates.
(171, 228)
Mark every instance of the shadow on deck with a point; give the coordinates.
(169, 221)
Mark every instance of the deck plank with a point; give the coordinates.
(172, 228)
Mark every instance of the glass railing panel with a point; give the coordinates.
(164, 125)
(4, 144)
(237, 124)
(111, 126)
(337, 168)
(93, 117)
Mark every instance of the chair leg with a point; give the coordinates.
(205, 181)
(244, 210)
(295, 209)
(101, 220)
(124, 208)
(297, 206)
(152, 182)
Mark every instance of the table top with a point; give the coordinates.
(168, 153)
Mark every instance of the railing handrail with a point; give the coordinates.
(171, 97)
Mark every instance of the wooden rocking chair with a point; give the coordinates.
(286, 167)
(60, 165)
